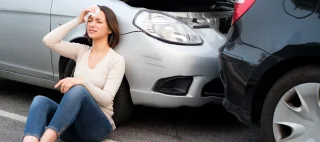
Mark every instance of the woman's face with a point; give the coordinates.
(97, 27)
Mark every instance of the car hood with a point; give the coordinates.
(215, 14)
(183, 5)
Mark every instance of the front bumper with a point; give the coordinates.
(150, 60)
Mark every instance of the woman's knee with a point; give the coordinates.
(76, 92)
(42, 104)
(39, 100)
(78, 88)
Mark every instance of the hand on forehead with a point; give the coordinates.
(94, 13)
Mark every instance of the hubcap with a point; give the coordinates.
(297, 115)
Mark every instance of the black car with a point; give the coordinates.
(270, 68)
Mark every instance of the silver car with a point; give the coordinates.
(171, 60)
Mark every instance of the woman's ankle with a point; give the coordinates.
(30, 139)
(49, 136)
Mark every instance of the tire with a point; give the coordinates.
(298, 76)
(123, 105)
(69, 70)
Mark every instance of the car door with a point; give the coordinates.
(23, 25)
(62, 12)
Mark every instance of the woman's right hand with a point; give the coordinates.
(84, 12)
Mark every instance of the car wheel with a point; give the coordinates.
(123, 105)
(291, 110)
(69, 70)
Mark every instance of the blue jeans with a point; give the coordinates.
(77, 118)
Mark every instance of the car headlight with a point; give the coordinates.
(166, 28)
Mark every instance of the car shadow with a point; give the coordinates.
(27, 91)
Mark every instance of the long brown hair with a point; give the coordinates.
(111, 19)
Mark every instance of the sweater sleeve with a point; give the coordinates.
(53, 40)
(115, 75)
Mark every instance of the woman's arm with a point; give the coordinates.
(115, 75)
(54, 40)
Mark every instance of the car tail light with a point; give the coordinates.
(241, 7)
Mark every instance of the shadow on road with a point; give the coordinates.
(23, 90)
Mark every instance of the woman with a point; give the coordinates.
(86, 108)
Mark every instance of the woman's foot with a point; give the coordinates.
(30, 139)
(49, 136)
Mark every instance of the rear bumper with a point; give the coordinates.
(242, 115)
(234, 85)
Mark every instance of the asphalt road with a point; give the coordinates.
(205, 124)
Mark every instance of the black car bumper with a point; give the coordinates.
(242, 115)
(232, 71)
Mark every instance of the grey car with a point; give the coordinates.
(171, 61)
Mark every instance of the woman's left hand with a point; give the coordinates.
(68, 82)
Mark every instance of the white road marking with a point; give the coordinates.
(24, 119)
(13, 116)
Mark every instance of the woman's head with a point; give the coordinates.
(103, 26)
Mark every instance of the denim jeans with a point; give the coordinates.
(77, 117)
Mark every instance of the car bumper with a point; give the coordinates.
(242, 115)
(150, 61)
(234, 86)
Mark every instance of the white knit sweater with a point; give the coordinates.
(103, 80)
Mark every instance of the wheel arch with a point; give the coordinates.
(266, 81)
